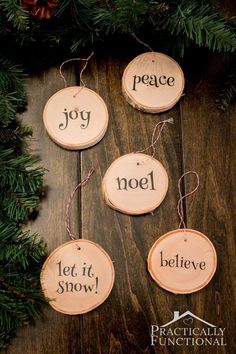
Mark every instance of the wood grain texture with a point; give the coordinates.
(53, 335)
(209, 148)
(202, 139)
(147, 72)
(122, 324)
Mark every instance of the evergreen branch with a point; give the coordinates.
(18, 205)
(18, 311)
(228, 87)
(14, 135)
(13, 290)
(12, 95)
(177, 24)
(21, 254)
(8, 107)
(18, 247)
(122, 16)
(11, 76)
(15, 14)
(204, 27)
(22, 180)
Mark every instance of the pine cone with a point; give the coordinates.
(42, 9)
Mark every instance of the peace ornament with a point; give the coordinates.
(153, 82)
(182, 261)
(76, 118)
(135, 184)
(77, 277)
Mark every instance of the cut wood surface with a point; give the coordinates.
(153, 82)
(139, 166)
(201, 139)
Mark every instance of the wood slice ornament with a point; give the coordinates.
(78, 276)
(182, 261)
(153, 82)
(136, 183)
(75, 117)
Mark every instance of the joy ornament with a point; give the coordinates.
(75, 117)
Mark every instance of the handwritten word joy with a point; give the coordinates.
(74, 114)
(75, 271)
(152, 80)
(179, 262)
(134, 183)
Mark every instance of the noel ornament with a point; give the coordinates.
(77, 276)
(153, 82)
(182, 261)
(136, 183)
(75, 117)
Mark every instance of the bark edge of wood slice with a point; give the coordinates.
(78, 300)
(170, 245)
(153, 82)
(135, 168)
(76, 117)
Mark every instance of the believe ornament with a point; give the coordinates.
(136, 183)
(76, 117)
(182, 261)
(77, 276)
(152, 82)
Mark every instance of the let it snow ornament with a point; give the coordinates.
(182, 261)
(153, 82)
(136, 183)
(76, 117)
(77, 276)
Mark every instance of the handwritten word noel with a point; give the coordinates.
(134, 183)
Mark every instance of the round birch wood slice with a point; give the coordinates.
(182, 261)
(153, 82)
(135, 184)
(76, 118)
(77, 277)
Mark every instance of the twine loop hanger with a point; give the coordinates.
(155, 140)
(180, 206)
(85, 60)
(142, 42)
(147, 46)
(69, 202)
(150, 48)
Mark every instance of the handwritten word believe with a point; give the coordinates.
(152, 80)
(85, 116)
(133, 183)
(180, 262)
(73, 271)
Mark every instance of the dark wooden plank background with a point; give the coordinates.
(202, 139)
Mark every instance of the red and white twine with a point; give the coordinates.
(180, 206)
(86, 60)
(69, 202)
(155, 140)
